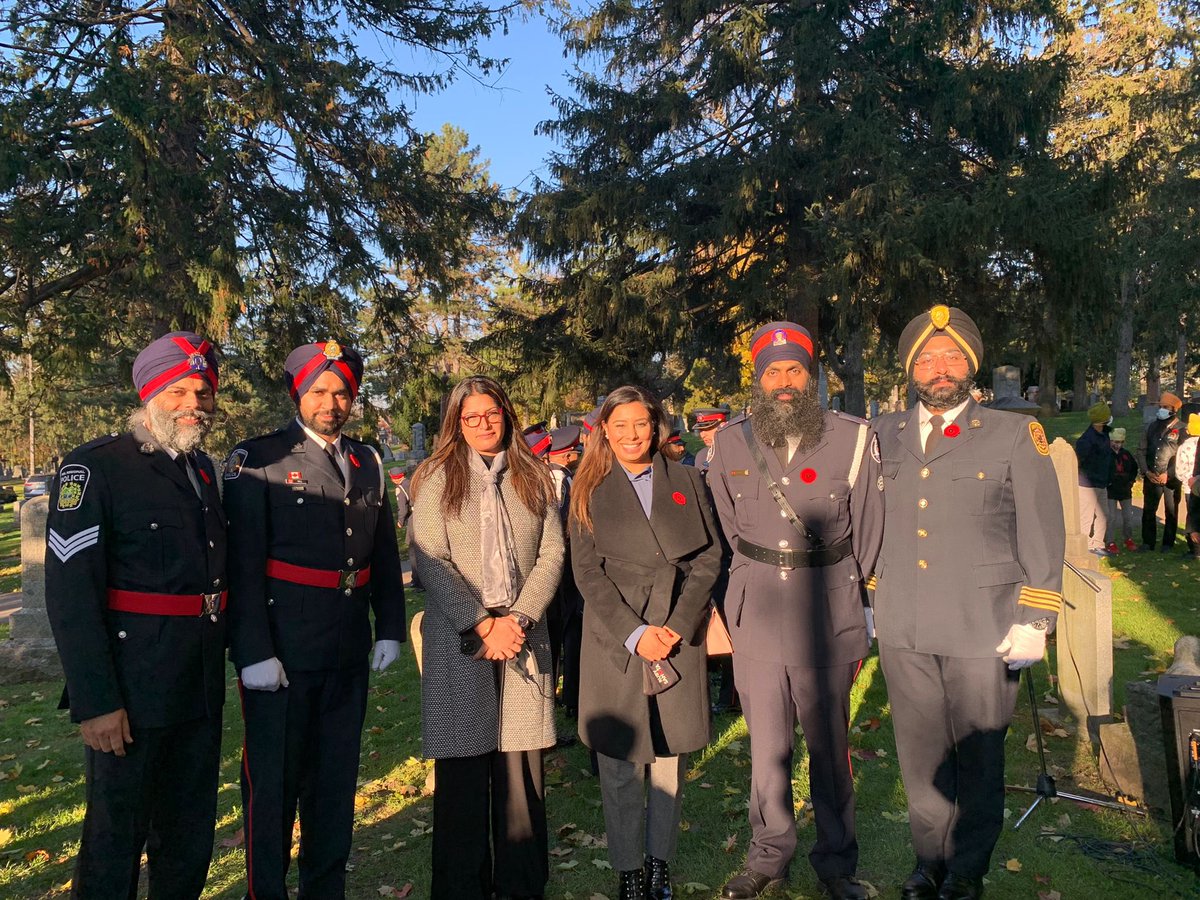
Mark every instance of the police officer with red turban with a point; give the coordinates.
(314, 553)
(135, 593)
(798, 493)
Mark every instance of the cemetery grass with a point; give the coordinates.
(1061, 852)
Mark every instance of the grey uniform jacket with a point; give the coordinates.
(974, 535)
(462, 712)
(801, 616)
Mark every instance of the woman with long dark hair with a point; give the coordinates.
(489, 545)
(645, 554)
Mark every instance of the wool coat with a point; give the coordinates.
(635, 571)
(474, 706)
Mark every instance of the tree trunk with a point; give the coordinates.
(848, 366)
(1047, 362)
(1181, 360)
(1124, 361)
(799, 304)
(1153, 378)
(1079, 402)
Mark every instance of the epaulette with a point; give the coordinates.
(94, 443)
(849, 418)
(736, 420)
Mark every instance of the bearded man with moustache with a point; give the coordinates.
(967, 586)
(800, 501)
(135, 593)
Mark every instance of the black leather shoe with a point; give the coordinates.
(844, 887)
(633, 885)
(923, 883)
(748, 884)
(960, 887)
(658, 879)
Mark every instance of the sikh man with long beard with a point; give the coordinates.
(800, 500)
(135, 592)
(967, 586)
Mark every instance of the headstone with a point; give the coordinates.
(1084, 632)
(1131, 752)
(30, 653)
(874, 409)
(418, 440)
(1006, 382)
(18, 472)
(822, 387)
(837, 404)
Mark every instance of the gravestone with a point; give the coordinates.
(822, 388)
(1006, 382)
(30, 653)
(418, 441)
(837, 404)
(874, 409)
(1083, 636)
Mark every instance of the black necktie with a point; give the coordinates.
(333, 461)
(185, 466)
(935, 435)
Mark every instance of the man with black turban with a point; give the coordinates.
(967, 586)
(313, 553)
(135, 581)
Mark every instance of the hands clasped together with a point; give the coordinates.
(657, 642)
(502, 636)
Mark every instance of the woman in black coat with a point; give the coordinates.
(645, 554)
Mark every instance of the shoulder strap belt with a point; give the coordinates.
(811, 536)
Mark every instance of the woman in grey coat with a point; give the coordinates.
(489, 550)
(645, 553)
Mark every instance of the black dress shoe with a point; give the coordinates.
(844, 887)
(923, 883)
(633, 885)
(748, 884)
(960, 887)
(658, 879)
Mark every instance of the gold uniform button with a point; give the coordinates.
(980, 476)
(783, 574)
(922, 564)
(922, 503)
(925, 472)
(921, 532)
(785, 481)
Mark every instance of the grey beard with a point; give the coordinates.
(945, 397)
(774, 421)
(164, 425)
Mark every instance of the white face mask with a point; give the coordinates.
(1164, 413)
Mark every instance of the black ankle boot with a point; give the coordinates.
(658, 879)
(633, 885)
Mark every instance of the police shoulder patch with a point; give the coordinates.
(875, 455)
(1038, 435)
(234, 462)
(72, 483)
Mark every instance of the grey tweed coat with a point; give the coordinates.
(470, 707)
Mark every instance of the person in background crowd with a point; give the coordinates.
(705, 422)
(586, 424)
(795, 602)
(1159, 482)
(1186, 470)
(675, 450)
(968, 585)
(313, 554)
(564, 456)
(489, 542)
(1120, 494)
(1095, 469)
(646, 555)
(135, 595)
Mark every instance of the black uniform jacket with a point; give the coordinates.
(635, 571)
(285, 503)
(800, 616)
(123, 515)
(974, 536)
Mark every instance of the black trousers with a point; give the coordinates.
(1151, 494)
(505, 791)
(301, 753)
(773, 697)
(951, 716)
(572, 642)
(162, 795)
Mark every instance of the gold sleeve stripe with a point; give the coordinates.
(871, 583)
(1041, 593)
(1050, 601)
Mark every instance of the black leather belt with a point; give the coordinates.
(795, 559)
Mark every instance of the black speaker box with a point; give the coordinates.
(1179, 704)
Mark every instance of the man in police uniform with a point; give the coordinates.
(1161, 442)
(795, 601)
(135, 580)
(313, 552)
(705, 422)
(967, 586)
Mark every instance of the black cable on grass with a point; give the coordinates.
(1121, 856)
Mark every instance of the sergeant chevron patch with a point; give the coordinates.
(66, 547)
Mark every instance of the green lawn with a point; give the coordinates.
(1064, 851)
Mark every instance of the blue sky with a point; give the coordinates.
(500, 116)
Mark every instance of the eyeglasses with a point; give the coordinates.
(951, 358)
(475, 420)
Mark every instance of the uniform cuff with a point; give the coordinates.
(1040, 601)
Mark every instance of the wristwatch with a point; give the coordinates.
(526, 623)
(1040, 624)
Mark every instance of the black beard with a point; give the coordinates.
(946, 397)
(323, 429)
(775, 420)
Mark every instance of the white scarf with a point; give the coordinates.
(500, 572)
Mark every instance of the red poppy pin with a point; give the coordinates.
(808, 476)
(354, 461)
(679, 498)
(951, 431)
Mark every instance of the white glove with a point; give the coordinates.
(385, 654)
(267, 675)
(1023, 646)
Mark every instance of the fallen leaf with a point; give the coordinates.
(238, 838)
(1049, 895)
(695, 887)
(872, 724)
(404, 891)
(564, 830)
(601, 864)
(26, 788)
(35, 856)
(730, 844)
(1031, 743)
(1042, 879)
(562, 851)
(569, 864)
(1013, 865)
